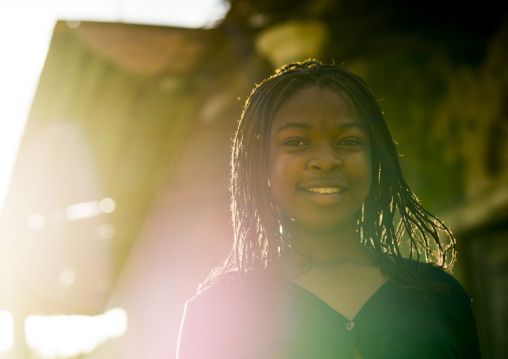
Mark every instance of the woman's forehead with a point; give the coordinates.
(314, 103)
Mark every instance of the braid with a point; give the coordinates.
(256, 222)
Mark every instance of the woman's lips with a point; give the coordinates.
(324, 190)
(324, 195)
(322, 185)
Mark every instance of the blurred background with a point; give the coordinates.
(117, 119)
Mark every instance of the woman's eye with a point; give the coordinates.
(294, 142)
(350, 142)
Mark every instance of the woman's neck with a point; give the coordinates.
(326, 248)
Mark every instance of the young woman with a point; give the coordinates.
(317, 269)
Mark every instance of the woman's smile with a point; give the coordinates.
(327, 190)
(325, 196)
(319, 159)
(324, 192)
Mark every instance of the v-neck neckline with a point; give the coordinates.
(358, 316)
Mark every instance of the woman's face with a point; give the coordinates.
(319, 160)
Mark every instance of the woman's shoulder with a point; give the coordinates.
(229, 315)
(447, 287)
(455, 307)
(213, 318)
(218, 291)
(436, 274)
(233, 288)
(229, 299)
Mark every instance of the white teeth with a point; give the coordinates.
(325, 190)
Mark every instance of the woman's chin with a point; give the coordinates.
(322, 227)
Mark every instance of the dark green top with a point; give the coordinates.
(285, 321)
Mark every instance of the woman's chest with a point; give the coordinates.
(346, 290)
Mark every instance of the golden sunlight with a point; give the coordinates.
(70, 335)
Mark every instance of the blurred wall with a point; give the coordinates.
(120, 110)
(188, 229)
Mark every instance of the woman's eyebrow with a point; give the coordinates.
(308, 126)
(302, 125)
(345, 126)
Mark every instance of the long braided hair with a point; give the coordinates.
(257, 224)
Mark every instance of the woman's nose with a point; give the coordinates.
(325, 159)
